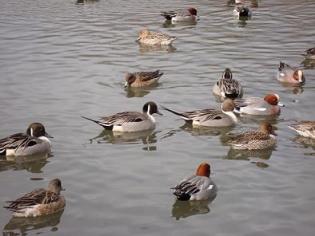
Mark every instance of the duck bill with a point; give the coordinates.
(48, 136)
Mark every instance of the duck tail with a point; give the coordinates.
(105, 126)
(168, 15)
(174, 112)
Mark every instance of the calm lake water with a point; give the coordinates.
(60, 60)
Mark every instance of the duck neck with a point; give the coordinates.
(45, 139)
(231, 115)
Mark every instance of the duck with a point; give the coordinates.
(289, 75)
(154, 38)
(304, 128)
(242, 12)
(130, 121)
(310, 53)
(196, 187)
(266, 106)
(210, 117)
(34, 142)
(262, 138)
(227, 87)
(39, 202)
(142, 79)
(188, 15)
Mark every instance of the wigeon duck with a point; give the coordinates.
(304, 128)
(39, 202)
(196, 187)
(227, 87)
(262, 138)
(154, 38)
(269, 105)
(310, 54)
(34, 142)
(210, 117)
(142, 79)
(188, 15)
(287, 74)
(130, 121)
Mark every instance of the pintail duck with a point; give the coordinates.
(304, 128)
(130, 121)
(269, 105)
(154, 38)
(39, 202)
(262, 138)
(188, 15)
(227, 87)
(210, 117)
(196, 187)
(287, 74)
(142, 79)
(34, 142)
(310, 54)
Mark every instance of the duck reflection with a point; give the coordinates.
(136, 92)
(33, 164)
(86, 1)
(293, 88)
(263, 154)
(169, 24)
(308, 63)
(146, 137)
(184, 209)
(205, 131)
(156, 48)
(305, 142)
(22, 225)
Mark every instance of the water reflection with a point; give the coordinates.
(263, 154)
(294, 89)
(136, 92)
(86, 1)
(33, 164)
(305, 142)
(205, 131)
(308, 63)
(23, 225)
(184, 209)
(147, 137)
(156, 48)
(169, 24)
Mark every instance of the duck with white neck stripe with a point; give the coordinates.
(34, 142)
(130, 121)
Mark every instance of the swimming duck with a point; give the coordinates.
(130, 121)
(287, 74)
(227, 87)
(188, 15)
(242, 12)
(269, 105)
(262, 138)
(310, 54)
(142, 79)
(196, 187)
(154, 38)
(210, 117)
(39, 202)
(34, 142)
(304, 128)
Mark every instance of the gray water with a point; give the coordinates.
(60, 60)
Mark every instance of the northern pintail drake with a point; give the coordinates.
(154, 38)
(304, 128)
(188, 15)
(268, 105)
(196, 187)
(210, 117)
(130, 121)
(310, 53)
(287, 74)
(39, 202)
(142, 79)
(227, 87)
(34, 142)
(262, 138)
